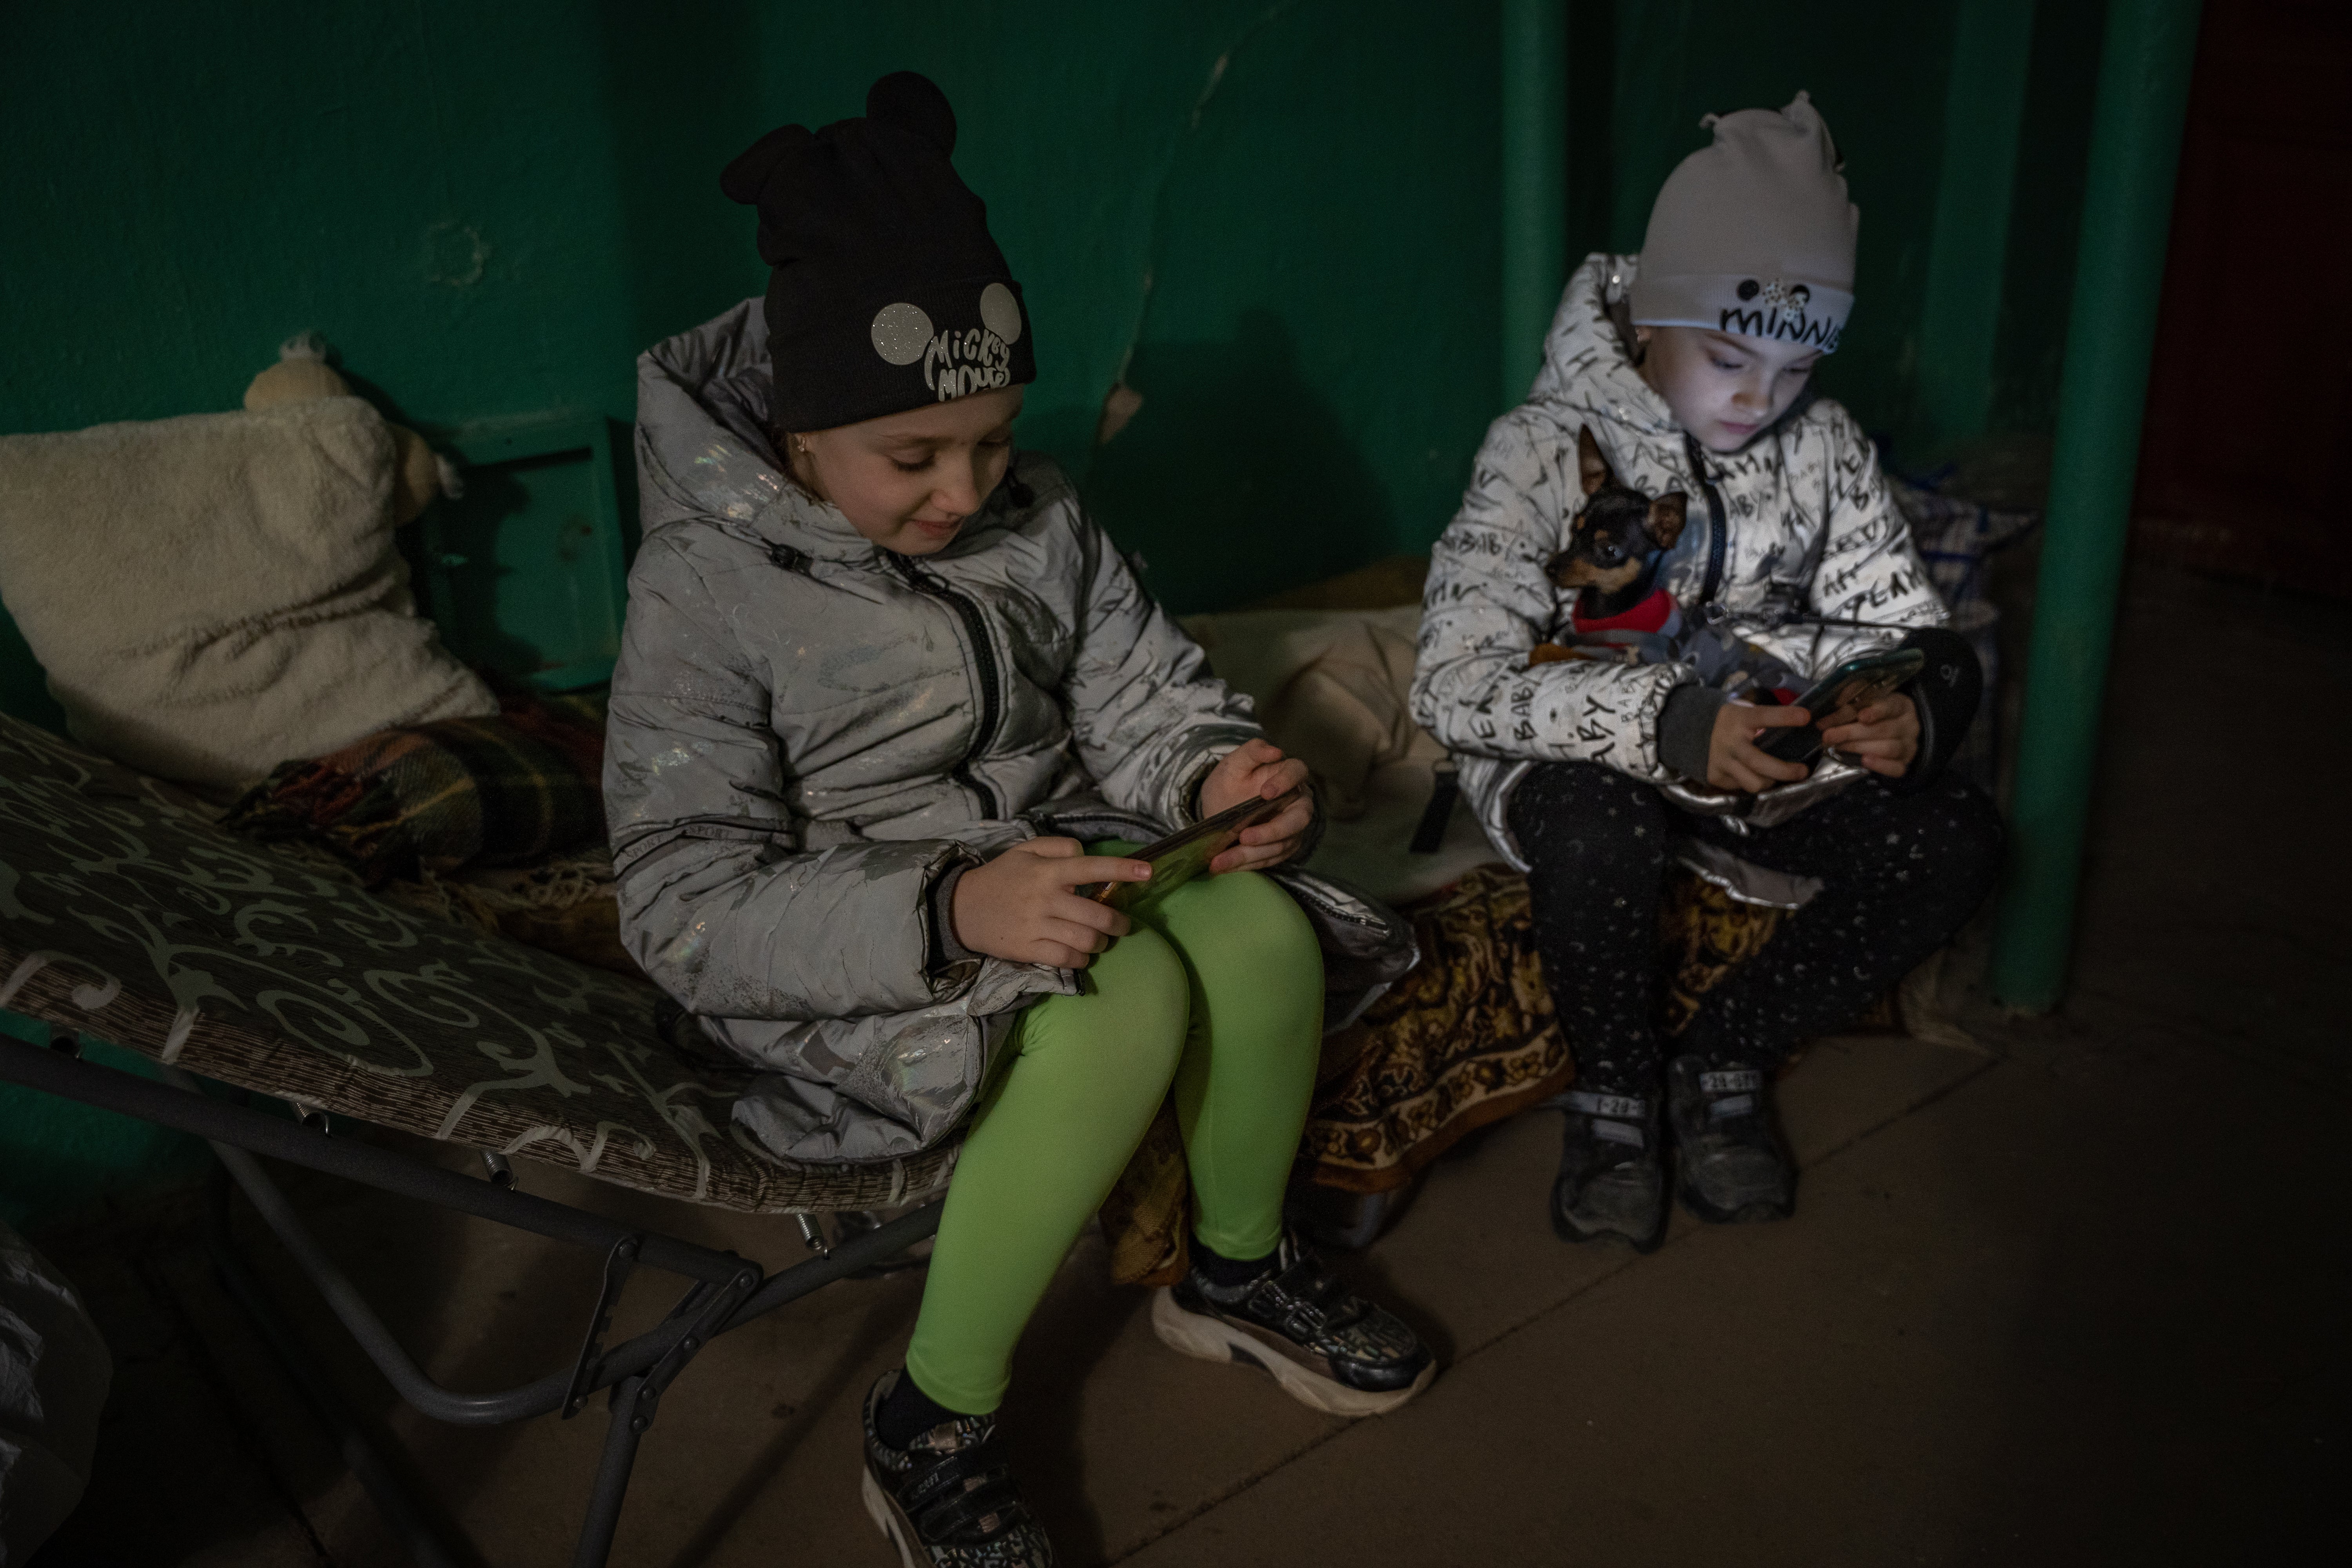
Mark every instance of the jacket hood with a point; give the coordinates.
(1587, 373)
(703, 449)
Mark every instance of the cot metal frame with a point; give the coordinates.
(724, 1293)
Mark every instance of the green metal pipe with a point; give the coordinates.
(1535, 183)
(2143, 93)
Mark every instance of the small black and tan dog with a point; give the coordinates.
(1616, 536)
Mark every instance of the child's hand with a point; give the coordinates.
(1883, 737)
(1256, 769)
(1733, 758)
(1019, 906)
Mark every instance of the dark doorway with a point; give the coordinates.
(2248, 400)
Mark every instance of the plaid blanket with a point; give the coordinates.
(455, 793)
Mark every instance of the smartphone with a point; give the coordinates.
(1185, 854)
(1850, 687)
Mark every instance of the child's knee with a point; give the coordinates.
(1267, 912)
(1142, 1001)
(1574, 819)
(1149, 970)
(1246, 912)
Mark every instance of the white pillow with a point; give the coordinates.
(1333, 688)
(215, 594)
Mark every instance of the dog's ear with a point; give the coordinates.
(1668, 515)
(1589, 464)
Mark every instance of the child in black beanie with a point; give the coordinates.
(888, 700)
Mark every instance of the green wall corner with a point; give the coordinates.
(61, 1161)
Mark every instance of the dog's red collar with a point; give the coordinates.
(1650, 616)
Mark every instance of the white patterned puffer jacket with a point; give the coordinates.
(1811, 535)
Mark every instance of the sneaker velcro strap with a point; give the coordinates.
(954, 1475)
(1626, 1107)
(1617, 1132)
(1305, 1300)
(968, 1508)
(974, 1516)
(1733, 1105)
(1737, 1080)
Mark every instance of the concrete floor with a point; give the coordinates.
(2075, 1295)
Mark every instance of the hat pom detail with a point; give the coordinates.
(912, 101)
(747, 176)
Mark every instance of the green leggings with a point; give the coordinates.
(1219, 990)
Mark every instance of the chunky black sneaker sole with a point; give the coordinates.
(892, 1521)
(1209, 1337)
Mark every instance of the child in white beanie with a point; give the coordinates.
(1677, 384)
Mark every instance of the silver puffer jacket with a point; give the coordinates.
(809, 736)
(1811, 536)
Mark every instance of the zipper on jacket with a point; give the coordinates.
(1717, 533)
(991, 704)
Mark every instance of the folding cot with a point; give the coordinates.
(126, 916)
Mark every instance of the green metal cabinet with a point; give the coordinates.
(527, 572)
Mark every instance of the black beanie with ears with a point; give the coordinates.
(888, 292)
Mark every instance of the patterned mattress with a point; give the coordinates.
(125, 913)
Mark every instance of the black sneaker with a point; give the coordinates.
(948, 1498)
(1612, 1172)
(1328, 1346)
(1728, 1163)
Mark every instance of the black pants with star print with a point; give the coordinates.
(1902, 870)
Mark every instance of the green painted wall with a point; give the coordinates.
(1277, 220)
(60, 1160)
(489, 210)
(2045, 211)
(1280, 220)
(1943, 348)
(1968, 250)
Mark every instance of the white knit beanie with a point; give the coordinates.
(1754, 234)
